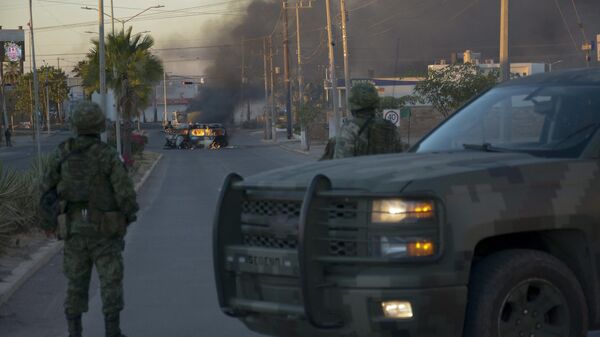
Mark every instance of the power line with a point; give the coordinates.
(566, 24)
(579, 22)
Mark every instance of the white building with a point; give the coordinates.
(516, 69)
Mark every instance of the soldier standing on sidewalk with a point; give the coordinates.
(96, 201)
(8, 135)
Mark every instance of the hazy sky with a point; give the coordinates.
(63, 30)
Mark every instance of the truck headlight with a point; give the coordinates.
(395, 247)
(398, 210)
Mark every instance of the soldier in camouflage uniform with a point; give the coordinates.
(366, 133)
(97, 201)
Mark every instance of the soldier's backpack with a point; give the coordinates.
(49, 205)
(383, 137)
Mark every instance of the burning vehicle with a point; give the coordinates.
(196, 136)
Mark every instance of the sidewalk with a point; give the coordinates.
(316, 149)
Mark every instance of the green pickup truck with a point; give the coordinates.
(489, 227)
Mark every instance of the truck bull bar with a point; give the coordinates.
(227, 232)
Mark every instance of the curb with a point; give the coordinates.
(26, 269)
(306, 153)
(147, 174)
(40, 258)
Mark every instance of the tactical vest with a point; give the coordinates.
(85, 180)
(382, 137)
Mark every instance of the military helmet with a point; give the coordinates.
(364, 97)
(87, 118)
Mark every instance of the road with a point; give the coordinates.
(169, 282)
(24, 149)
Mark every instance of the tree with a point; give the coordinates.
(22, 93)
(131, 72)
(448, 88)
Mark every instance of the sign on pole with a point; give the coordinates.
(598, 46)
(392, 115)
(12, 45)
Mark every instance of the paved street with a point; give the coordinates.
(169, 281)
(24, 149)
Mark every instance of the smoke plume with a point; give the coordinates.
(388, 38)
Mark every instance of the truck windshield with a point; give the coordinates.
(549, 121)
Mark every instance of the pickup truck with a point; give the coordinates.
(488, 227)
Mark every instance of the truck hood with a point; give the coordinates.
(391, 173)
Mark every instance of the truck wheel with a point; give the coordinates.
(524, 293)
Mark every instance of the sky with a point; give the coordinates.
(63, 29)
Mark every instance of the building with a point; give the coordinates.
(180, 92)
(386, 86)
(516, 69)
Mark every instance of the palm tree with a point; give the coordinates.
(12, 72)
(132, 71)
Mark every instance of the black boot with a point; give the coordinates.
(112, 325)
(74, 323)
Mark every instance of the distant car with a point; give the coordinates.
(24, 125)
(176, 137)
(196, 136)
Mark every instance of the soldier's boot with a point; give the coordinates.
(74, 325)
(112, 325)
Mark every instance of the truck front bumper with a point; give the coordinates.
(304, 291)
(437, 312)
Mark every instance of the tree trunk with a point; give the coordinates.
(60, 113)
(127, 139)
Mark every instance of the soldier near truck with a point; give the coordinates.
(87, 181)
(366, 132)
(488, 227)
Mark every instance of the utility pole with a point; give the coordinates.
(47, 85)
(504, 52)
(265, 111)
(303, 131)
(36, 90)
(272, 98)
(286, 70)
(112, 16)
(347, 79)
(334, 121)
(165, 117)
(243, 80)
(102, 61)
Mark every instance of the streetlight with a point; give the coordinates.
(123, 22)
(118, 117)
(551, 64)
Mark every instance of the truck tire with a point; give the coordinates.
(524, 293)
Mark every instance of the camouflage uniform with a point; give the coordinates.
(366, 133)
(97, 201)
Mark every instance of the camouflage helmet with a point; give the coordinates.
(87, 118)
(364, 97)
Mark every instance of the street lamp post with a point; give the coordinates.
(36, 90)
(101, 14)
(553, 63)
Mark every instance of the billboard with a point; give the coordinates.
(12, 45)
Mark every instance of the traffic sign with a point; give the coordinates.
(393, 116)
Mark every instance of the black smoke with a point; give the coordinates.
(387, 38)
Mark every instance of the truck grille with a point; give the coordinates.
(271, 207)
(262, 212)
(269, 241)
